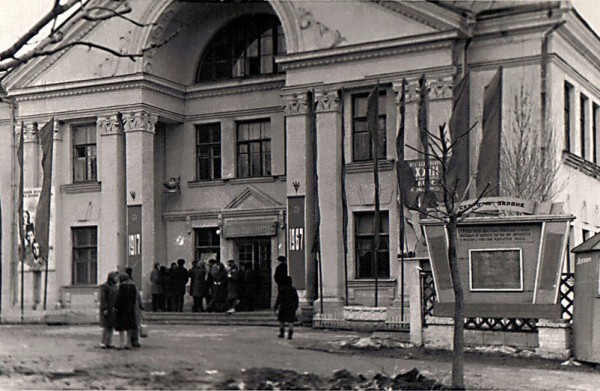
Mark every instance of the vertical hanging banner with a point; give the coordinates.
(296, 241)
(134, 242)
(31, 232)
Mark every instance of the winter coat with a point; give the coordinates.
(139, 307)
(127, 299)
(199, 283)
(287, 303)
(156, 282)
(281, 272)
(233, 284)
(108, 298)
(179, 277)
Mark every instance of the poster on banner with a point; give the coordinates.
(32, 260)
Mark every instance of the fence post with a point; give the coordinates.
(412, 269)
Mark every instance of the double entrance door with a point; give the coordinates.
(254, 258)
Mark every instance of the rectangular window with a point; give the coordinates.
(595, 118)
(361, 142)
(364, 243)
(85, 255)
(254, 149)
(583, 126)
(208, 244)
(84, 153)
(208, 152)
(567, 116)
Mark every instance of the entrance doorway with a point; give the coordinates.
(254, 256)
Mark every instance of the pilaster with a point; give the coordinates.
(300, 185)
(112, 229)
(31, 155)
(140, 180)
(329, 161)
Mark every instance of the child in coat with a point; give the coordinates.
(287, 304)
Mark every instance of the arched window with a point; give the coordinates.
(247, 46)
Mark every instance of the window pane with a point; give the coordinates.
(217, 168)
(243, 166)
(203, 169)
(255, 164)
(79, 170)
(255, 130)
(266, 164)
(266, 129)
(359, 108)
(362, 147)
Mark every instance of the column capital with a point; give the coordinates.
(140, 121)
(56, 126)
(109, 125)
(30, 132)
(439, 87)
(328, 100)
(296, 103)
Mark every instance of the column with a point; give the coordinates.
(111, 172)
(139, 140)
(56, 280)
(329, 164)
(300, 192)
(31, 180)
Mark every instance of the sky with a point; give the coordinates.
(17, 15)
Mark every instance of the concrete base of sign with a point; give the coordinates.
(554, 339)
(365, 314)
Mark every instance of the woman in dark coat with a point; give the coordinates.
(125, 306)
(287, 303)
(108, 298)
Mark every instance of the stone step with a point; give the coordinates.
(253, 318)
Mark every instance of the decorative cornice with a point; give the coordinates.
(30, 132)
(296, 103)
(234, 87)
(430, 15)
(327, 100)
(366, 51)
(325, 37)
(234, 113)
(109, 125)
(221, 214)
(140, 121)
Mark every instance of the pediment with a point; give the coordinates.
(252, 198)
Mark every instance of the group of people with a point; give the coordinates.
(214, 287)
(121, 308)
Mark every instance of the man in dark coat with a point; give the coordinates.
(126, 302)
(108, 298)
(233, 286)
(198, 285)
(180, 277)
(287, 303)
(156, 288)
(281, 271)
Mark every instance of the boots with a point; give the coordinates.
(281, 332)
(290, 333)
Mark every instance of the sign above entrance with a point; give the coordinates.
(242, 228)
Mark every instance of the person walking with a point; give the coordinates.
(287, 304)
(281, 271)
(233, 282)
(125, 310)
(139, 307)
(156, 287)
(108, 298)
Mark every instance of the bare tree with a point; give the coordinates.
(47, 35)
(529, 167)
(448, 211)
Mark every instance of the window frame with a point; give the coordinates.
(583, 125)
(357, 131)
(594, 141)
(383, 255)
(221, 61)
(264, 146)
(91, 277)
(214, 173)
(568, 104)
(202, 248)
(90, 159)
